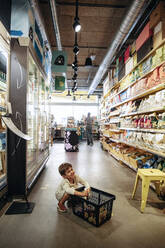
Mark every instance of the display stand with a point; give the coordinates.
(71, 140)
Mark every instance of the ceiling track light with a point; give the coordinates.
(74, 76)
(76, 25)
(76, 49)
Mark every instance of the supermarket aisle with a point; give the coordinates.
(46, 228)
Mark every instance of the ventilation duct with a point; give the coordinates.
(37, 14)
(55, 24)
(129, 20)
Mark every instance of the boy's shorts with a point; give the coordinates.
(59, 195)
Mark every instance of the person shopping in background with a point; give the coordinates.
(89, 122)
(68, 186)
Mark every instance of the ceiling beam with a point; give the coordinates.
(116, 6)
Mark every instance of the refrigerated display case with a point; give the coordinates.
(38, 146)
(4, 79)
(29, 96)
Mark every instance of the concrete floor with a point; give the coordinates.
(46, 228)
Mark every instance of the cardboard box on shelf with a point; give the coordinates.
(157, 15)
(144, 36)
(159, 34)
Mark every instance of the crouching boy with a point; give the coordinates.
(68, 186)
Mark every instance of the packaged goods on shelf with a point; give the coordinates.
(123, 96)
(162, 73)
(147, 65)
(161, 165)
(106, 86)
(159, 55)
(133, 48)
(159, 33)
(144, 36)
(127, 54)
(137, 159)
(132, 76)
(2, 141)
(161, 121)
(121, 72)
(129, 66)
(145, 49)
(125, 82)
(70, 122)
(135, 59)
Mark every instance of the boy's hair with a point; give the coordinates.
(63, 167)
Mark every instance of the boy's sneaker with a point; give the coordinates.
(61, 208)
(69, 204)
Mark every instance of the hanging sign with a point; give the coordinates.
(59, 83)
(59, 61)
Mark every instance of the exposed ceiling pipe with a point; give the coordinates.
(126, 25)
(55, 24)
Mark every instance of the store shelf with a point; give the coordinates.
(106, 135)
(145, 130)
(115, 130)
(119, 159)
(123, 161)
(146, 93)
(140, 147)
(144, 112)
(115, 114)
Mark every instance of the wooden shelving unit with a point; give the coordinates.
(160, 109)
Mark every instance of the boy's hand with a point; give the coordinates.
(89, 189)
(83, 193)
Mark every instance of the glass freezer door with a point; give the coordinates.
(32, 116)
(4, 58)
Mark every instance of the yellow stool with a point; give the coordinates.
(148, 175)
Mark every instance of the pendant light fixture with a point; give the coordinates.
(88, 62)
(76, 24)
